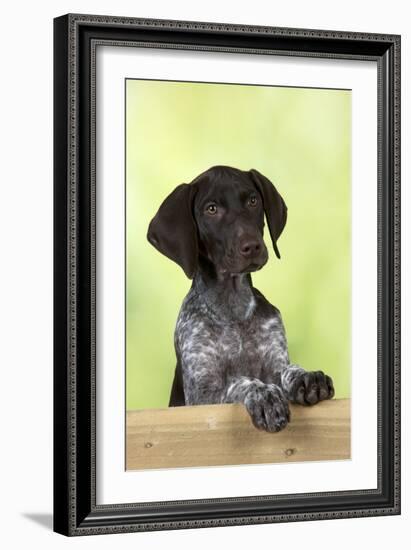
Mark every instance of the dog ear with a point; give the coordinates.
(173, 231)
(274, 206)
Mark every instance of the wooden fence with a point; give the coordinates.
(224, 435)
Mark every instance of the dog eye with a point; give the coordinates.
(252, 201)
(211, 209)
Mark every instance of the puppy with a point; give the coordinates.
(230, 341)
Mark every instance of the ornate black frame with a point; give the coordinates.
(75, 40)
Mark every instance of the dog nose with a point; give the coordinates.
(250, 248)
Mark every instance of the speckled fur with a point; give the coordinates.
(240, 354)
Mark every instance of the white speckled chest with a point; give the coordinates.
(253, 347)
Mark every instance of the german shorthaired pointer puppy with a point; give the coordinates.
(230, 341)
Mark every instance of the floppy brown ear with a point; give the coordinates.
(274, 206)
(173, 230)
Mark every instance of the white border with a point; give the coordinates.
(114, 484)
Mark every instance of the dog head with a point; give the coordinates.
(219, 216)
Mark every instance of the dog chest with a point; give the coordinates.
(243, 347)
(251, 343)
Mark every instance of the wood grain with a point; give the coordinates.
(214, 435)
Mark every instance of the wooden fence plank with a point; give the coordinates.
(214, 435)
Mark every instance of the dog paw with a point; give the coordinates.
(308, 388)
(268, 408)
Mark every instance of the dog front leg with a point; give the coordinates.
(306, 387)
(265, 403)
(203, 384)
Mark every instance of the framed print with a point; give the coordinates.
(227, 277)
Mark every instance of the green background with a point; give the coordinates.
(300, 139)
